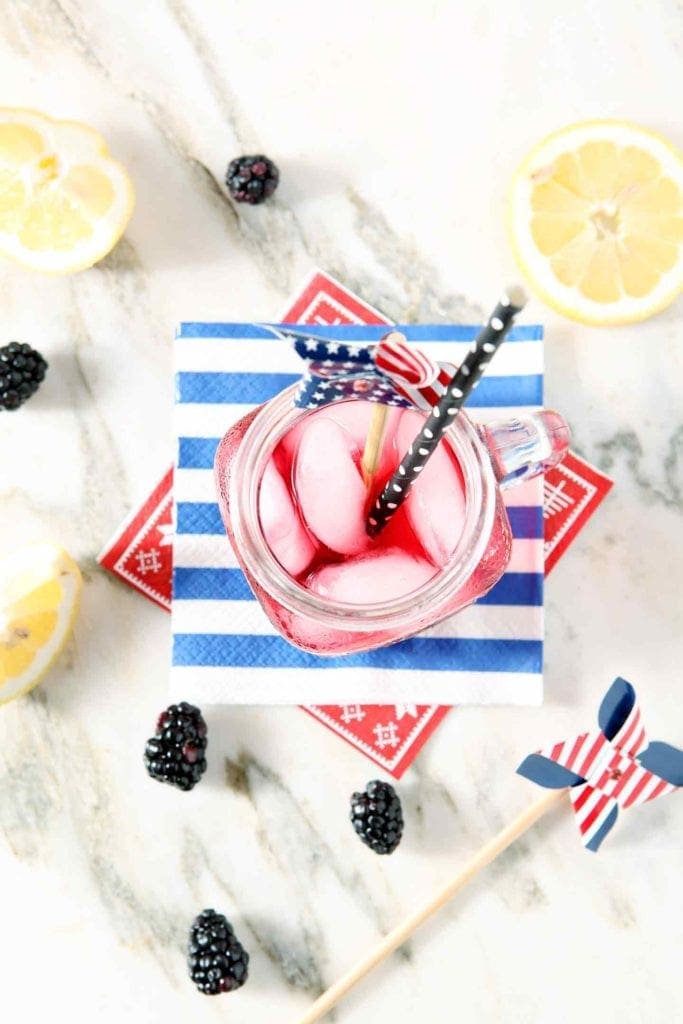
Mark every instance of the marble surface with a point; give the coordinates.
(396, 127)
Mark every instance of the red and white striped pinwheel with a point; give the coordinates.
(614, 766)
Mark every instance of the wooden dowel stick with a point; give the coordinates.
(378, 424)
(373, 443)
(405, 929)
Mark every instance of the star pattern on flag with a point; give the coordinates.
(386, 371)
(370, 389)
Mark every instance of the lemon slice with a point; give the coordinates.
(64, 202)
(596, 221)
(39, 593)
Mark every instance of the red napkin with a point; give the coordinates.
(391, 735)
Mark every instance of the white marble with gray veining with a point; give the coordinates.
(396, 126)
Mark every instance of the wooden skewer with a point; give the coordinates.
(378, 424)
(373, 443)
(405, 929)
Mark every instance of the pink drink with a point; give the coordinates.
(294, 503)
(313, 505)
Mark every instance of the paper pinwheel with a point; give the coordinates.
(614, 766)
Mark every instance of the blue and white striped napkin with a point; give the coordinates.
(224, 648)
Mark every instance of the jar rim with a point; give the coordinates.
(271, 422)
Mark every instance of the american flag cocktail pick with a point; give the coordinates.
(601, 771)
(387, 373)
(390, 371)
(612, 767)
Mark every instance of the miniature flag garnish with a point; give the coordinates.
(388, 371)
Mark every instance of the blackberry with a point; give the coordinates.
(176, 753)
(251, 179)
(216, 959)
(21, 371)
(377, 817)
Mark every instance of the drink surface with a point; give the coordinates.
(313, 504)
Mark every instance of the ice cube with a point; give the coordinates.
(329, 488)
(355, 418)
(283, 530)
(371, 578)
(436, 504)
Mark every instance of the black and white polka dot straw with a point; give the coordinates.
(449, 405)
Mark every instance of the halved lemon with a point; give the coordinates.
(596, 221)
(40, 588)
(64, 202)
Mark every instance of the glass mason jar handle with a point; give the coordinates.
(526, 445)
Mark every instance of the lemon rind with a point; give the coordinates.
(61, 563)
(572, 305)
(86, 255)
